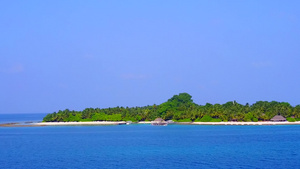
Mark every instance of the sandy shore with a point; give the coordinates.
(142, 122)
(18, 125)
(246, 123)
(88, 123)
(80, 123)
(149, 122)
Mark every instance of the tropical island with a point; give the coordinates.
(181, 108)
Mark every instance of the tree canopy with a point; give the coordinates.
(182, 108)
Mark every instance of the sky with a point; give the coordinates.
(79, 54)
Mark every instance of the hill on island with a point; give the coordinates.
(181, 108)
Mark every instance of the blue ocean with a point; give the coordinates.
(146, 146)
(21, 118)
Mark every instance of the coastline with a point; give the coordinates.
(99, 123)
(80, 123)
(247, 123)
(149, 122)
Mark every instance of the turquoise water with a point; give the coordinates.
(146, 146)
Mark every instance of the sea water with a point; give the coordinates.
(146, 146)
(21, 118)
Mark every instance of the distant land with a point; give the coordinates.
(181, 108)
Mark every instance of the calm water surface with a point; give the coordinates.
(20, 118)
(146, 146)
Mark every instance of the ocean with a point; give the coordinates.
(146, 146)
(21, 118)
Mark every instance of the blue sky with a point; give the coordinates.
(78, 54)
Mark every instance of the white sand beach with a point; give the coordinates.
(80, 123)
(247, 123)
(149, 122)
(144, 122)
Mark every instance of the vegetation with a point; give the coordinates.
(184, 120)
(181, 108)
(290, 119)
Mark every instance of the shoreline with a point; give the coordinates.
(181, 123)
(80, 123)
(99, 123)
(247, 123)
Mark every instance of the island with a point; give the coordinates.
(182, 109)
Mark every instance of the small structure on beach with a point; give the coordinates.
(159, 122)
(234, 120)
(170, 121)
(278, 118)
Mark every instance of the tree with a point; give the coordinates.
(182, 98)
(181, 108)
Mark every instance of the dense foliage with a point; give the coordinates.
(182, 108)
